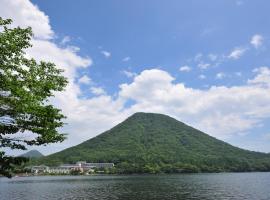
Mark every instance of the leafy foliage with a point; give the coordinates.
(25, 87)
(153, 143)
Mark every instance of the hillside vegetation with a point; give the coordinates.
(32, 154)
(152, 143)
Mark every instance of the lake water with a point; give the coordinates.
(255, 186)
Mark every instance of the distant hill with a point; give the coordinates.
(32, 154)
(147, 142)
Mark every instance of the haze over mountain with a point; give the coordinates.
(147, 142)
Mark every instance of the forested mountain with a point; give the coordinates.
(147, 142)
(32, 154)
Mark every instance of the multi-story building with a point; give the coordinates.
(85, 165)
(39, 169)
(81, 166)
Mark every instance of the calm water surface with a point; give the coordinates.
(139, 187)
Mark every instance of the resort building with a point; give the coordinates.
(39, 169)
(81, 166)
(86, 165)
(58, 170)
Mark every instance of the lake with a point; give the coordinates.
(139, 187)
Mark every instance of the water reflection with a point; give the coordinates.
(139, 187)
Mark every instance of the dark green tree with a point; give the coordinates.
(26, 115)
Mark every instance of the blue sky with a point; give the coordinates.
(161, 34)
(205, 63)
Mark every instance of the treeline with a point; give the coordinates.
(129, 168)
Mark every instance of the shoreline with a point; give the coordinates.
(132, 174)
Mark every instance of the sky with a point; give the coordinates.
(205, 63)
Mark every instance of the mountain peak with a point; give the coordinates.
(152, 140)
(150, 116)
(32, 154)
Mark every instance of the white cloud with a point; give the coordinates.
(65, 40)
(97, 91)
(220, 111)
(106, 54)
(237, 53)
(262, 78)
(220, 75)
(24, 14)
(185, 68)
(149, 79)
(204, 65)
(85, 80)
(202, 76)
(129, 74)
(65, 58)
(256, 40)
(126, 59)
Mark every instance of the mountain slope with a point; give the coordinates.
(148, 142)
(32, 154)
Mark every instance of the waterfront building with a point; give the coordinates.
(39, 169)
(81, 166)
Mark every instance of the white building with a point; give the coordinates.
(39, 169)
(58, 170)
(82, 166)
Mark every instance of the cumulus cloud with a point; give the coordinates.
(220, 111)
(256, 40)
(262, 78)
(129, 74)
(185, 68)
(25, 14)
(106, 54)
(65, 58)
(85, 80)
(237, 53)
(97, 91)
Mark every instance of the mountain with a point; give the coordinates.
(147, 142)
(32, 154)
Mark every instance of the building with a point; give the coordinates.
(39, 169)
(97, 165)
(59, 170)
(81, 166)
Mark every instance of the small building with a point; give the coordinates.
(97, 165)
(59, 170)
(39, 169)
(81, 166)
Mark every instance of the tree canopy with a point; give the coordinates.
(26, 115)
